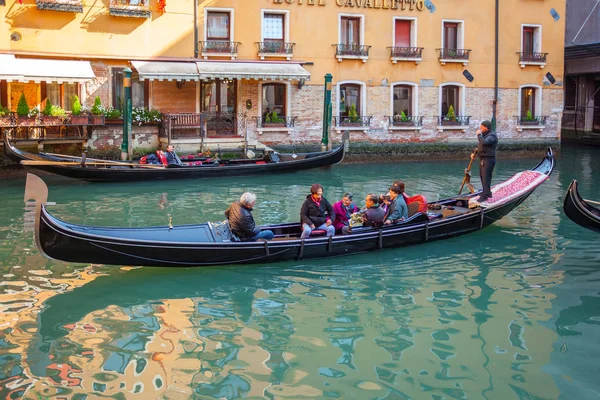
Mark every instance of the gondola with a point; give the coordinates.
(95, 170)
(212, 244)
(581, 211)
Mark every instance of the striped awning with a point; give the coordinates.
(166, 71)
(249, 70)
(43, 70)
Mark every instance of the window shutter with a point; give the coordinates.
(402, 38)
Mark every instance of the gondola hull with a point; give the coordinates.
(579, 210)
(208, 244)
(116, 172)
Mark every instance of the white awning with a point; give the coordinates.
(42, 70)
(246, 70)
(166, 71)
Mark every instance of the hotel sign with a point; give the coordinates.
(382, 4)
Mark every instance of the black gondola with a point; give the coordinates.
(211, 244)
(111, 171)
(581, 211)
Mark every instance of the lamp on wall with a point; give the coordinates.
(301, 83)
(180, 84)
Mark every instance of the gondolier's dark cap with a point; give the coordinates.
(487, 124)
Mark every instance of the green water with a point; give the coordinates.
(511, 312)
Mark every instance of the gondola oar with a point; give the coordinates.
(467, 178)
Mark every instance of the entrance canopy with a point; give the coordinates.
(166, 71)
(42, 70)
(246, 70)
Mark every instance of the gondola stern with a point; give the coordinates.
(36, 195)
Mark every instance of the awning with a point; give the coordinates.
(41, 70)
(241, 70)
(166, 71)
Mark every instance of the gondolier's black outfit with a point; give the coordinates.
(487, 156)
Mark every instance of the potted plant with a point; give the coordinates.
(52, 115)
(6, 118)
(529, 119)
(113, 116)
(274, 120)
(450, 118)
(353, 118)
(402, 119)
(78, 117)
(23, 112)
(97, 112)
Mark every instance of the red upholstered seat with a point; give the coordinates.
(261, 162)
(318, 232)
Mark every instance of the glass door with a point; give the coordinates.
(218, 103)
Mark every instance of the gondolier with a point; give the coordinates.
(486, 149)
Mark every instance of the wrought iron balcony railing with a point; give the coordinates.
(281, 122)
(360, 121)
(219, 46)
(459, 120)
(532, 57)
(124, 8)
(535, 121)
(275, 47)
(406, 52)
(454, 54)
(398, 121)
(356, 50)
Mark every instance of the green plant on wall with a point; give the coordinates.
(451, 116)
(268, 118)
(529, 117)
(403, 117)
(97, 108)
(275, 118)
(353, 114)
(51, 110)
(76, 106)
(23, 107)
(48, 108)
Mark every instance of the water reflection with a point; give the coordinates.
(508, 312)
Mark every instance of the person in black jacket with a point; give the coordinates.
(316, 213)
(486, 149)
(241, 220)
(374, 214)
(172, 157)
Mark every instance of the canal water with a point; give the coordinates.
(510, 312)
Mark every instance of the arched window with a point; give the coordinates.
(403, 100)
(273, 99)
(349, 98)
(528, 103)
(451, 97)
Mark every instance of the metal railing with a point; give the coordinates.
(398, 121)
(360, 121)
(219, 46)
(459, 120)
(454, 54)
(281, 122)
(358, 50)
(275, 47)
(532, 57)
(538, 120)
(406, 52)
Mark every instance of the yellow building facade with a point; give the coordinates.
(403, 70)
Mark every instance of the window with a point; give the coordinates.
(402, 33)
(138, 90)
(528, 95)
(450, 97)
(402, 100)
(350, 97)
(217, 26)
(350, 30)
(61, 94)
(532, 41)
(570, 92)
(273, 99)
(450, 35)
(274, 27)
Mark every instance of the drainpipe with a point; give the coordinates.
(195, 28)
(125, 146)
(327, 111)
(495, 102)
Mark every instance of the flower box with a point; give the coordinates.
(98, 119)
(47, 120)
(6, 120)
(447, 122)
(79, 120)
(26, 120)
(530, 122)
(113, 121)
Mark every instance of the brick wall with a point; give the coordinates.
(97, 87)
(167, 97)
(110, 136)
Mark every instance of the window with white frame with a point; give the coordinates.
(530, 101)
(452, 34)
(218, 26)
(402, 100)
(450, 99)
(273, 27)
(273, 100)
(452, 104)
(350, 30)
(405, 32)
(531, 41)
(61, 94)
(350, 99)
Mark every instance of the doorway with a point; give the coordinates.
(218, 99)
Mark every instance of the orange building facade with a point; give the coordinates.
(403, 70)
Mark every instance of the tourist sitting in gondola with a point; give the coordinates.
(384, 201)
(343, 209)
(316, 213)
(397, 210)
(421, 201)
(241, 221)
(172, 157)
(374, 213)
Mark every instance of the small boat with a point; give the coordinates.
(95, 170)
(581, 211)
(212, 243)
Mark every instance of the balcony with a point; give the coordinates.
(125, 8)
(219, 48)
(454, 56)
(537, 122)
(406, 54)
(280, 124)
(358, 123)
(275, 49)
(75, 6)
(460, 122)
(399, 123)
(530, 58)
(351, 51)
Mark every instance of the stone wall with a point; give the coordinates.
(111, 136)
